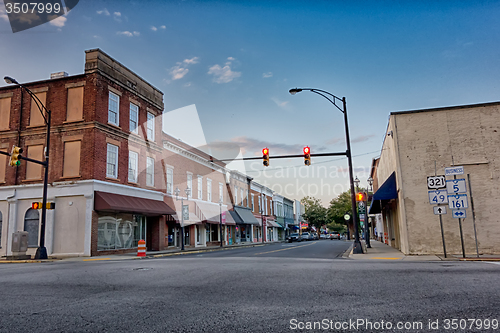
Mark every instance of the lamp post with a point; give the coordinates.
(357, 248)
(367, 228)
(41, 251)
(177, 192)
(220, 222)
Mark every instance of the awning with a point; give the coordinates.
(112, 202)
(229, 218)
(176, 205)
(384, 193)
(236, 218)
(270, 223)
(246, 216)
(209, 212)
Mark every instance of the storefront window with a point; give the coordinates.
(215, 234)
(120, 231)
(186, 236)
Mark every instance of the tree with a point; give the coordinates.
(340, 206)
(315, 213)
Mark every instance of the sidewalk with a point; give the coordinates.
(381, 251)
(149, 254)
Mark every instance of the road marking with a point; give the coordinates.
(289, 248)
(384, 258)
(96, 259)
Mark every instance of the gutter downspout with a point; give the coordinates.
(8, 220)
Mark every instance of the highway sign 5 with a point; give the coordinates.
(439, 210)
(438, 197)
(458, 201)
(456, 186)
(459, 213)
(436, 182)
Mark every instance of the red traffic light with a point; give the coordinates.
(360, 196)
(307, 150)
(265, 151)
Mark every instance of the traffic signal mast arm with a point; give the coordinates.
(285, 156)
(25, 158)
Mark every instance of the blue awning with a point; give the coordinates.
(384, 193)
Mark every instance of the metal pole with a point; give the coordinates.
(442, 233)
(367, 220)
(473, 214)
(357, 248)
(182, 224)
(41, 252)
(460, 226)
(220, 224)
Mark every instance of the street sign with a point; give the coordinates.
(439, 210)
(458, 201)
(459, 213)
(361, 204)
(362, 217)
(455, 170)
(347, 217)
(456, 186)
(438, 197)
(436, 182)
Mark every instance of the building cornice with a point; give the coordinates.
(167, 145)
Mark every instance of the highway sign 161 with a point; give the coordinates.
(436, 182)
(458, 201)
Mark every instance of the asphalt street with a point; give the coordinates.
(248, 290)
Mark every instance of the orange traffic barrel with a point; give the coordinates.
(141, 248)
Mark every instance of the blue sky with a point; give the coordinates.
(236, 61)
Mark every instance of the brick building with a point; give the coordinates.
(109, 167)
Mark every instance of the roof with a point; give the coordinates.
(447, 108)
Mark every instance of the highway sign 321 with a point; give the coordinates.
(436, 182)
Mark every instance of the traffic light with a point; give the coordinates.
(360, 196)
(265, 153)
(14, 156)
(307, 156)
(39, 205)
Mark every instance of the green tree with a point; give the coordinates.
(315, 213)
(339, 207)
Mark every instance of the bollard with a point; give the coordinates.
(141, 248)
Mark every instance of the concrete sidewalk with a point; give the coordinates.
(381, 251)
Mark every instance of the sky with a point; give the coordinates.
(234, 62)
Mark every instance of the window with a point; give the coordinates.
(71, 165)
(112, 161)
(4, 113)
(242, 192)
(119, 231)
(150, 171)
(260, 211)
(200, 187)
(248, 203)
(33, 170)
(134, 118)
(114, 109)
(253, 198)
(74, 108)
(170, 180)
(236, 195)
(209, 190)
(0, 230)
(190, 182)
(133, 166)
(214, 235)
(36, 118)
(31, 222)
(151, 127)
(221, 192)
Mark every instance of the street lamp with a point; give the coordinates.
(357, 248)
(220, 222)
(177, 192)
(41, 251)
(367, 229)
(356, 182)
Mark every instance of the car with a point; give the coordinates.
(323, 236)
(334, 235)
(306, 236)
(295, 237)
(314, 236)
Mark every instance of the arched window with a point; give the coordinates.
(31, 223)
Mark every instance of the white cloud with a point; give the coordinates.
(154, 28)
(136, 33)
(223, 74)
(103, 12)
(163, 27)
(3, 15)
(58, 22)
(117, 14)
(268, 74)
(128, 33)
(180, 69)
(281, 104)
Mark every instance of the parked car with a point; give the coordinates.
(295, 237)
(323, 236)
(334, 235)
(306, 236)
(314, 236)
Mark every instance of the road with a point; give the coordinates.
(245, 290)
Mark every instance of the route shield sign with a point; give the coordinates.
(438, 197)
(439, 210)
(436, 182)
(456, 186)
(459, 213)
(458, 201)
